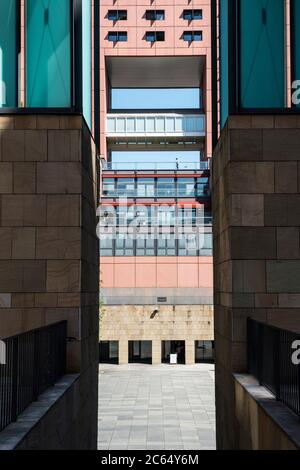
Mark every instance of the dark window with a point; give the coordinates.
(192, 36)
(117, 15)
(173, 347)
(155, 15)
(153, 36)
(109, 352)
(140, 351)
(192, 15)
(117, 36)
(204, 351)
(108, 187)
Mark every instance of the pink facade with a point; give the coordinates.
(156, 272)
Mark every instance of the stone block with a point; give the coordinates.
(63, 146)
(246, 145)
(288, 243)
(283, 276)
(23, 243)
(7, 122)
(250, 177)
(13, 145)
(59, 178)
(253, 243)
(24, 178)
(25, 122)
(25, 210)
(5, 243)
(249, 276)
(23, 300)
(247, 210)
(281, 144)
(266, 300)
(63, 276)
(282, 210)
(48, 122)
(286, 177)
(63, 210)
(6, 178)
(35, 146)
(289, 300)
(58, 243)
(45, 300)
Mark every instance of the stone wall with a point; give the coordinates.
(48, 245)
(187, 323)
(256, 207)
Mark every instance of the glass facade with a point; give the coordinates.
(48, 53)
(262, 64)
(156, 187)
(224, 69)
(8, 54)
(296, 40)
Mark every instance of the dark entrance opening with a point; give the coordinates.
(173, 347)
(109, 352)
(204, 351)
(140, 352)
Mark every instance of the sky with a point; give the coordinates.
(155, 98)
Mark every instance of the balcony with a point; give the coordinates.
(155, 125)
(156, 166)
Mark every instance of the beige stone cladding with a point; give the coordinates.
(125, 323)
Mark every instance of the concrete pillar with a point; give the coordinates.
(156, 352)
(256, 244)
(123, 351)
(190, 352)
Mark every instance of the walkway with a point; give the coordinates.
(156, 407)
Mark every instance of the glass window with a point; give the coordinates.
(205, 242)
(202, 187)
(109, 187)
(166, 216)
(124, 245)
(204, 351)
(192, 15)
(126, 187)
(187, 216)
(117, 15)
(8, 54)
(48, 54)
(185, 187)
(153, 36)
(145, 246)
(153, 15)
(145, 187)
(188, 245)
(166, 245)
(192, 36)
(106, 246)
(166, 187)
(117, 36)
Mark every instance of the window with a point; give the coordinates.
(48, 54)
(106, 245)
(8, 53)
(155, 15)
(202, 187)
(117, 36)
(117, 15)
(145, 246)
(165, 187)
(165, 216)
(188, 244)
(153, 36)
(124, 245)
(192, 15)
(204, 351)
(192, 36)
(126, 187)
(166, 245)
(145, 187)
(185, 187)
(108, 187)
(155, 98)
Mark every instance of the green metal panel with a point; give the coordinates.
(48, 53)
(224, 69)
(262, 76)
(8, 54)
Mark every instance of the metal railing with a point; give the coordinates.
(270, 351)
(34, 361)
(143, 166)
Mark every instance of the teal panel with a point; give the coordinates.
(48, 53)
(224, 69)
(262, 77)
(8, 54)
(296, 41)
(87, 61)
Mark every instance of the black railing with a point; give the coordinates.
(270, 360)
(33, 362)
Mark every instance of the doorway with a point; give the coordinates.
(173, 347)
(109, 352)
(140, 352)
(204, 351)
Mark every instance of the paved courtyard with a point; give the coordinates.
(156, 407)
